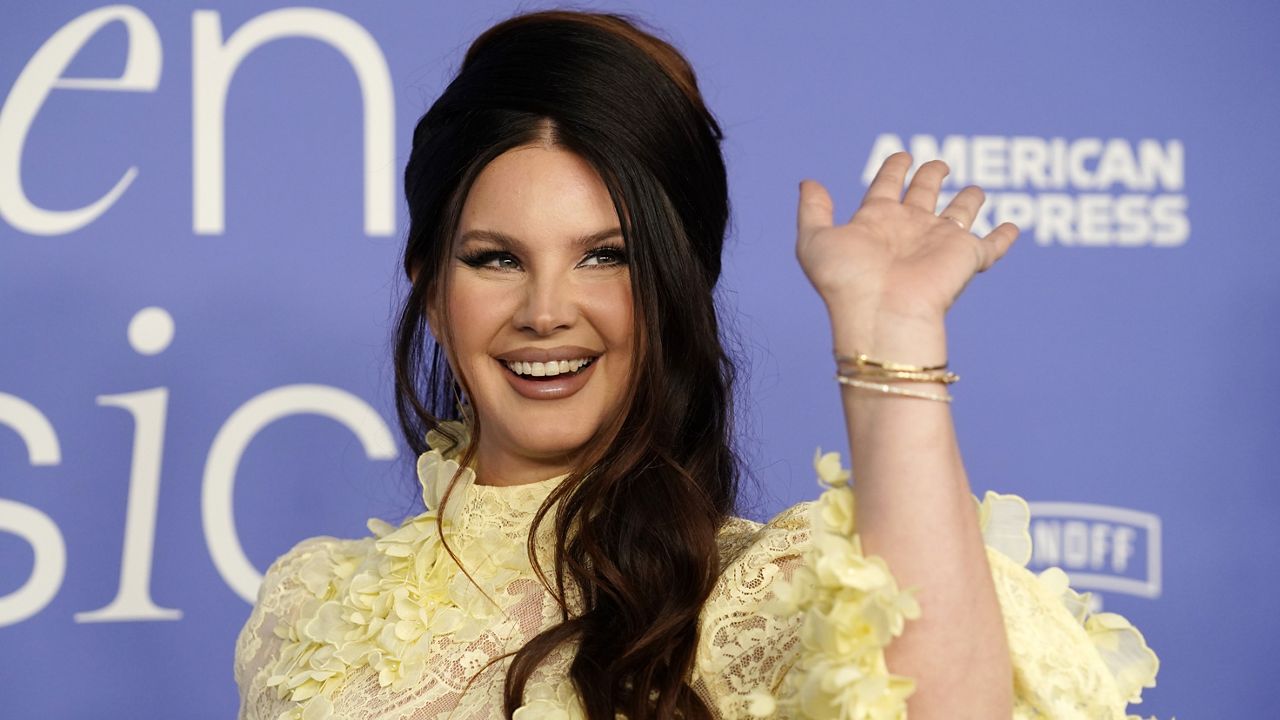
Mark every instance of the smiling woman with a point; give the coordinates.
(560, 374)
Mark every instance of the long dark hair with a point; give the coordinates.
(636, 521)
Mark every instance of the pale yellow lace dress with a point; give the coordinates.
(387, 627)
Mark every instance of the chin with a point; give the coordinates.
(553, 443)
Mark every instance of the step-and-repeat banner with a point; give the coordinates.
(200, 219)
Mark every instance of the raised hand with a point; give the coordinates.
(895, 257)
(888, 277)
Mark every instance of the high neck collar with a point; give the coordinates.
(438, 466)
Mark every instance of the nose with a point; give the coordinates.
(548, 305)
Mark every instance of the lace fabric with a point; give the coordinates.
(387, 627)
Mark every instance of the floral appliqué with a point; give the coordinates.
(381, 607)
(382, 604)
(852, 608)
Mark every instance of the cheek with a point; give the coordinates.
(612, 311)
(477, 311)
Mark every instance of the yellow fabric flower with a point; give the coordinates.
(1005, 521)
(382, 606)
(852, 608)
(385, 603)
(1121, 645)
(550, 701)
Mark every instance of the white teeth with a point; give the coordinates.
(539, 369)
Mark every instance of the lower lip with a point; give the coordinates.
(561, 386)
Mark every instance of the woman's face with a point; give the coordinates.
(540, 310)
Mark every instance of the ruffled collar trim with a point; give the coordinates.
(437, 467)
(383, 603)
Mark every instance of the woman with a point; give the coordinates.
(579, 556)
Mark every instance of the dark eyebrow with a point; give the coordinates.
(513, 242)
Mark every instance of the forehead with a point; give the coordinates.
(540, 193)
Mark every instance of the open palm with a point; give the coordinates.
(895, 255)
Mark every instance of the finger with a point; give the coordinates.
(996, 244)
(887, 184)
(964, 207)
(816, 210)
(923, 192)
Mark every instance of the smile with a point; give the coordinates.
(548, 380)
(548, 369)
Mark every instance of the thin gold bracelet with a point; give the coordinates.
(890, 389)
(862, 359)
(945, 377)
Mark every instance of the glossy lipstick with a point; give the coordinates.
(554, 387)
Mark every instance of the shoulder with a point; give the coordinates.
(798, 569)
(785, 533)
(309, 567)
(743, 644)
(305, 571)
(754, 555)
(1067, 657)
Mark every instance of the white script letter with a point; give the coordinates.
(42, 74)
(234, 438)
(28, 523)
(213, 65)
(133, 598)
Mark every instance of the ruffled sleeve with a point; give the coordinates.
(799, 621)
(280, 596)
(1068, 662)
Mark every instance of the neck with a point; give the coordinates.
(494, 467)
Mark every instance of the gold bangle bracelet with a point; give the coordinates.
(862, 359)
(939, 376)
(890, 389)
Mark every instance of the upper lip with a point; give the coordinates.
(534, 354)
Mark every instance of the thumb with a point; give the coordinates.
(815, 211)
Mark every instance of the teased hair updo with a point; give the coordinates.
(636, 521)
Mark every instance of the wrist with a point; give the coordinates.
(890, 336)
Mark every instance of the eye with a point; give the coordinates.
(491, 259)
(604, 257)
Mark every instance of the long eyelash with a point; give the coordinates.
(615, 255)
(482, 258)
(614, 252)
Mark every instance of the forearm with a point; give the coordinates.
(915, 509)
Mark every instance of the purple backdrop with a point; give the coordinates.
(199, 224)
